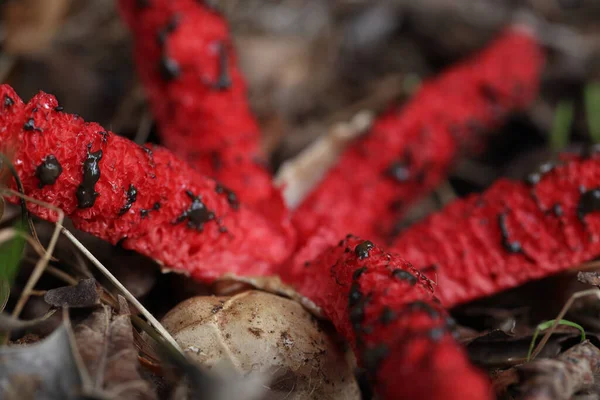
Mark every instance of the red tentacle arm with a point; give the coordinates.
(398, 330)
(186, 61)
(409, 151)
(513, 233)
(145, 198)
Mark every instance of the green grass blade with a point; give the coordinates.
(4, 293)
(10, 255)
(547, 324)
(592, 110)
(561, 127)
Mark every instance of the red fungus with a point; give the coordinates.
(186, 61)
(144, 198)
(513, 233)
(409, 151)
(398, 330)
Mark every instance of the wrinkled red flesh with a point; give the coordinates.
(398, 330)
(224, 236)
(408, 151)
(200, 106)
(513, 233)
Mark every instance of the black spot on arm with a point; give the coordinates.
(416, 306)
(169, 69)
(231, 196)
(48, 171)
(404, 276)
(387, 316)
(588, 202)
(163, 33)
(86, 193)
(509, 246)
(557, 210)
(131, 198)
(197, 214)
(30, 126)
(362, 250)
(374, 356)
(223, 79)
(358, 272)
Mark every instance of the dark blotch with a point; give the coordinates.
(131, 198)
(169, 68)
(30, 125)
(362, 250)
(437, 333)
(557, 210)
(399, 170)
(588, 202)
(59, 108)
(511, 247)
(355, 295)
(86, 193)
(404, 276)
(374, 356)
(146, 212)
(223, 80)
(197, 214)
(357, 273)
(169, 28)
(48, 171)
(231, 196)
(422, 306)
(8, 101)
(387, 316)
(148, 151)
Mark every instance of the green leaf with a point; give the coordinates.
(4, 293)
(592, 110)
(561, 127)
(545, 325)
(11, 252)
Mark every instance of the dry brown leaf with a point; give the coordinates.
(105, 343)
(84, 294)
(560, 378)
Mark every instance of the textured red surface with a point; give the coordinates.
(222, 237)
(201, 107)
(409, 150)
(398, 330)
(514, 233)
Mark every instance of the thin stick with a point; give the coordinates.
(86, 380)
(143, 131)
(40, 266)
(561, 314)
(126, 293)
